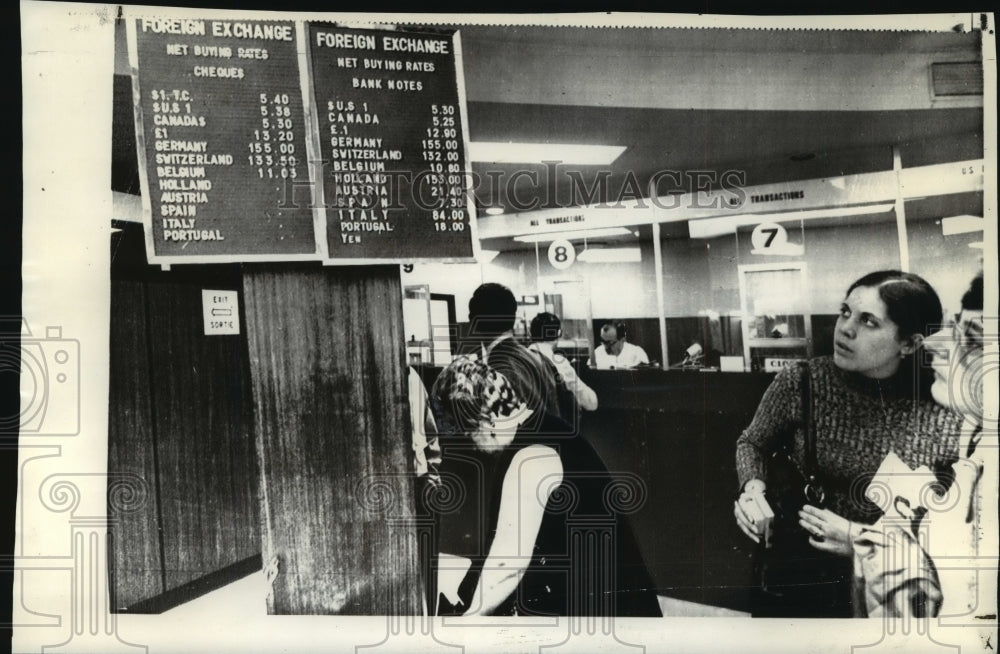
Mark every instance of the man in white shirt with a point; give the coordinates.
(615, 353)
(546, 328)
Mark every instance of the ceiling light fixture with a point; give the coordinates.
(961, 225)
(494, 211)
(126, 207)
(573, 234)
(610, 255)
(723, 225)
(537, 153)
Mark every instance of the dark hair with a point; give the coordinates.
(492, 310)
(909, 300)
(621, 329)
(545, 327)
(973, 298)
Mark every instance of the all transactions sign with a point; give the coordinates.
(271, 140)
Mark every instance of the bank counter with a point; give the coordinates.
(675, 430)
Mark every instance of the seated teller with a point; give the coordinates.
(615, 352)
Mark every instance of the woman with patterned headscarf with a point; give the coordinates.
(558, 538)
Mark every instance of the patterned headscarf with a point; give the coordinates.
(469, 392)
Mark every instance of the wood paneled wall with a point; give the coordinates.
(180, 427)
(333, 437)
(135, 555)
(204, 437)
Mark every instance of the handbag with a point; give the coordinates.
(788, 488)
(794, 579)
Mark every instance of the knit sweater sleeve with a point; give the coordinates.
(777, 416)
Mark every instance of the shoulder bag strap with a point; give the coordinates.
(814, 489)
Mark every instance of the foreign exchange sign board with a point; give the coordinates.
(272, 140)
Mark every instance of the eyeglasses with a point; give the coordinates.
(967, 334)
(960, 338)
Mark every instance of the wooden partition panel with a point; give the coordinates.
(135, 565)
(333, 437)
(203, 413)
(180, 433)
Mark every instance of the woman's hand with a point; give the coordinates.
(828, 532)
(745, 522)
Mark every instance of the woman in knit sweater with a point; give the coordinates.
(867, 399)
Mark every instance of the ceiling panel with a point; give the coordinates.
(765, 146)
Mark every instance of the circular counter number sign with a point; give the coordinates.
(561, 254)
(769, 238)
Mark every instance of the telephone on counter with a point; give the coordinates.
(693, 357)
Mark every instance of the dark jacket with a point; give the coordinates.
(531, 379)
(586, 560)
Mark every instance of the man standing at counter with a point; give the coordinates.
(616, 353)
(546, 328)
(492, 311)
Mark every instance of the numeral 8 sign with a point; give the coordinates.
(562, 254)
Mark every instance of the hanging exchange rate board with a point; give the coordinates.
(270, 140)
(221, 121)
(390, 125)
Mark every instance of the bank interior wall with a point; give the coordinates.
(702, 274)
